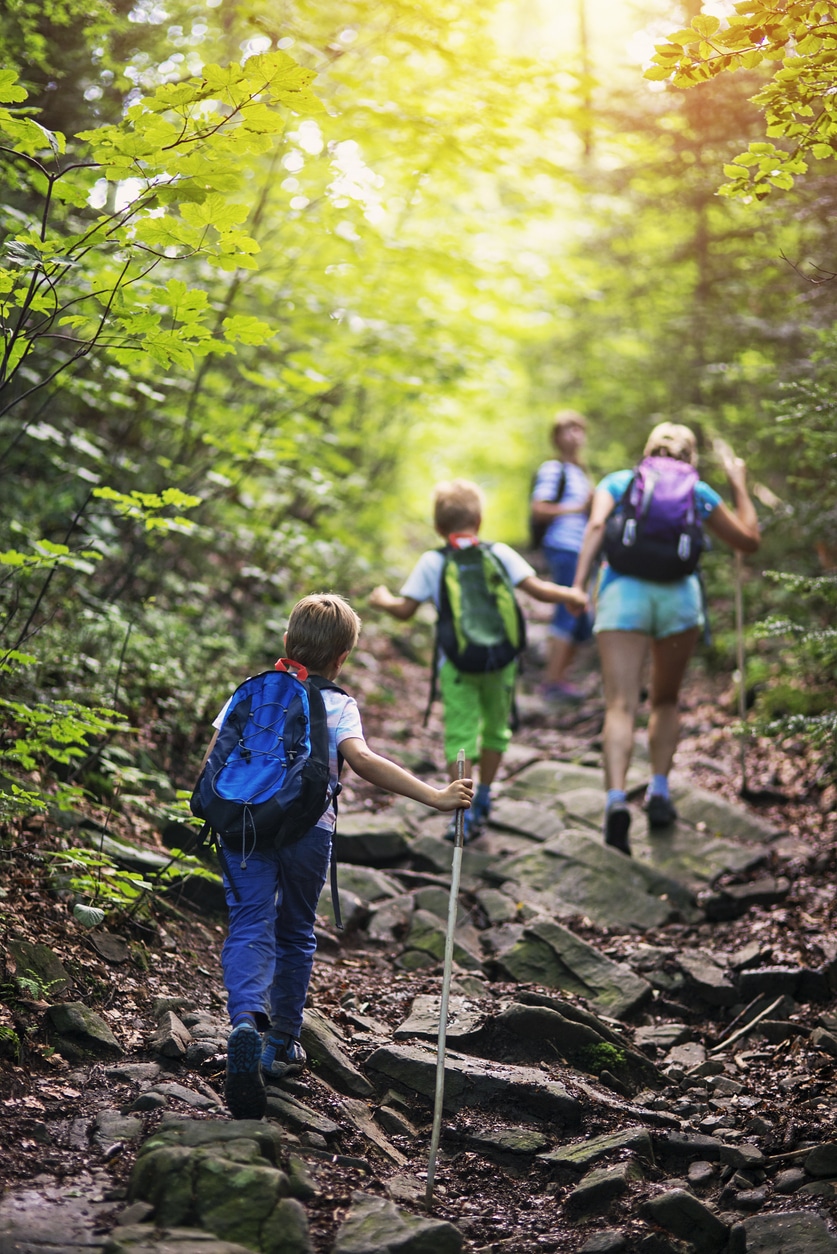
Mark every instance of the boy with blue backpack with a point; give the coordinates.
(268, 788)
(480, 633)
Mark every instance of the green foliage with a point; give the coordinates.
(46, 735)
(9, 1042)
(795, 44)
(602, 1057)
(800, 633)
(246, 333)
(94, 877)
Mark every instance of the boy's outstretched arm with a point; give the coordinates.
(399, 607)
(546, 590)
(393, 778)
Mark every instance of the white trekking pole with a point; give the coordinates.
(458, 845)
(724, 453)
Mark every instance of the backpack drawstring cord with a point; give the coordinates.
(244, 854)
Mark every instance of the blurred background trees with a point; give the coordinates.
(269, 271)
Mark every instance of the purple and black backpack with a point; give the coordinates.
(655, 531)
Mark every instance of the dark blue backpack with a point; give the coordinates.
(266, 780)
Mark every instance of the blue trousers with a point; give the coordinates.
(566, 626)
(268, 955)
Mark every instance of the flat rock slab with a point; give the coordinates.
(722, 818)
(324, 1046)
(434, 854)
(601, 1187)
(578, 869)
(688, 1219)
(464, 1019)
(428, 933)
(54, 1219)
(545, 781)
(376, 1226)
(527, 818)
(554, 957)
(474, 1082)
(370, 839)
(798, 1232)
(149, 1239)
(582, 1154)
(517, 1141)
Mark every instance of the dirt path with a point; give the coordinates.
(60, 1118)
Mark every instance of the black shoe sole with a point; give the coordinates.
(617, 825)
(244, 1090)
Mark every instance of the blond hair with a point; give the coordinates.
(567, 418)
(457, 506)
(321, 628)
(672, 439)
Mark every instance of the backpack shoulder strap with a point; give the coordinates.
(321, 684)
(445, 551)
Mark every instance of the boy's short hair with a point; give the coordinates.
(320, 628)
(672, 439)
(457, 506)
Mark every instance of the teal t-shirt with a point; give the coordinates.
(616, 483)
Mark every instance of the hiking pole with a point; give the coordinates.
(739, 650)
(458, 845)
(724, 453)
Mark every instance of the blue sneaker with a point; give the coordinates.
(282, 1056)
(244, 1090)
(480, 812)
(469, 830)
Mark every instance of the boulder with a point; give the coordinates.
(473, 1082)
(577, 869)
(79, 1033)
(554, 957)
(376, 1226)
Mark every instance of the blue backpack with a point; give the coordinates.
(266, 780)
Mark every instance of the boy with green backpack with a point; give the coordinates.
(480, 632)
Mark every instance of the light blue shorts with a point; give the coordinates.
(656, 609)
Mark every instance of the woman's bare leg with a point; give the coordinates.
(622, 655)
(669, 659)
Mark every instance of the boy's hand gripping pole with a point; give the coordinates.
(459, 842)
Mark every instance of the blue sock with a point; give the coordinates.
(483, 793)
(244, 1018)
(658, 786)
(616, 797)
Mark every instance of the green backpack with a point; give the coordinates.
(480, 627)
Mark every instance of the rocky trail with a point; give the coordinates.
(641, 1054)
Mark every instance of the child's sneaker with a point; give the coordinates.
(244, 1089)
(469, 830)
(282, 1056)
(561, 691)
(660, 810)
(617, 825)
(479, 812)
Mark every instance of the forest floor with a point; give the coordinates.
(45, 1098)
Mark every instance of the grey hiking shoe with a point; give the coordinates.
(244, 1088)
(282, 1056)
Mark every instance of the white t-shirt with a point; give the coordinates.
(344, 723)
(425, 579)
